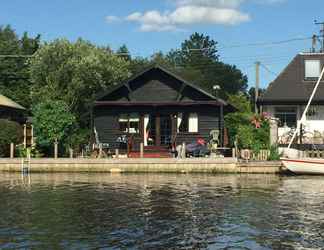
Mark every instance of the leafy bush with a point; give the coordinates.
(233, 121)
(251, 132)
(53, 122)
(23, 152)
(10, 132)
(274, 154)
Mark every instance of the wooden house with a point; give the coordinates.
(157, 108)
(11, 110)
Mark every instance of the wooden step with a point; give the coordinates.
(151, 155)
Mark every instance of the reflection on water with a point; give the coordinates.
(81, 211)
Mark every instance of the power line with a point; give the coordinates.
(267, 69)
(266, 43)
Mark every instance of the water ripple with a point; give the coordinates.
(103, 211)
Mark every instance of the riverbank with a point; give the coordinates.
(190, 165)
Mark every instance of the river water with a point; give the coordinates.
(104, 211)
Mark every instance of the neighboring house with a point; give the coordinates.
(157, 108)
(11, 110)
(287, 96)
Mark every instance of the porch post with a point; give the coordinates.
(158, 130)
(221, 127)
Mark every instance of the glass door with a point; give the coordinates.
(165, 130)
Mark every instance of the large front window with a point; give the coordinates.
(187, 123)
(129, 123)
(287, 116)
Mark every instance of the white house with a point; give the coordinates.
(287, 96)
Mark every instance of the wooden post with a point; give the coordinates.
(233, 152)
(100, 151)
(71, 153)
(117, 153)
(25, 135)
(12, 150)
(183, 150)
(56, 150)
(142, 150)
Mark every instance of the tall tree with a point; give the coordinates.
(124, 53)
(197, 60)
(74, 73)
(14, 71)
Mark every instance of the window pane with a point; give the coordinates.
(287, 116)
(312, 68)
(183, 126)
(193, 123)
(123, 123)
(134, 121)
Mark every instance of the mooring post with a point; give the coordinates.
(100, 151)
(142, 150)
(117, 153)
(71, 153)
(183, 150)
(12, 150)
(56, 150)
(233, 152)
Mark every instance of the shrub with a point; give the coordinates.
(233, 121)
(10, 132)
(274, 154)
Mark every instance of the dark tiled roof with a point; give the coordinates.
(290, 86)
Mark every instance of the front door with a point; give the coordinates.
(165, 130)
(157, 130)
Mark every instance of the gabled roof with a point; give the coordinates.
(291, 86)
(159, 67)
(6, 102)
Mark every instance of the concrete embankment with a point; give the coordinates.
(190, 165)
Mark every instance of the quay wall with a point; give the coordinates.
(190, 165)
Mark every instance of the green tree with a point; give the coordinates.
(74, 73)
(124, 53)
(52, 122)
(14, 71)
(10, 132)
(197, 60)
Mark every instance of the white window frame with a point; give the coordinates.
(193, 123)
(310, 68)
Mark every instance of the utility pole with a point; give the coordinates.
(257, 85)
(321, 34)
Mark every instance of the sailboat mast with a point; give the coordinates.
(303, 118)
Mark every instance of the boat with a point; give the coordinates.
(301, 165)
(304, 165)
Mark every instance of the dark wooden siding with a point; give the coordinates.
(106, 122)
(155, 90)
(158, 86)
(208, 119)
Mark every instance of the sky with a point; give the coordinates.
(246, 30)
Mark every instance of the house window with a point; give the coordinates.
(134, 121)
(123, 123)
(287, 116)
(187, 123)
(129, 123)
(312, 69)
(193, 123)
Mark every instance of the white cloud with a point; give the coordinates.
(112, 19)
(190, 12)
(214, 3)
(187, 15)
